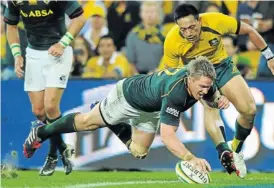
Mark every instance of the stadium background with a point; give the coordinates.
(101, 149)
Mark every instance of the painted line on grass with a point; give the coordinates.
(107, 184)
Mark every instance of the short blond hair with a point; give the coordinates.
(201, 66)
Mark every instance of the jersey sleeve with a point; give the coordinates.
(170, 113)
(225, 24)
(11, 14)
(171, 57)
(72, 8)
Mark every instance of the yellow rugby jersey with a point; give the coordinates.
(177, 49)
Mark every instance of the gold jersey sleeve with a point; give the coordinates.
(221, 23)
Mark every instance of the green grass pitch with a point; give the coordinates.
(84, 179)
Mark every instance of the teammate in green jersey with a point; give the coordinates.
(147, 102)
(48, 61)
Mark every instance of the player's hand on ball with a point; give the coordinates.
(200, 163)
(18, 67)
(56, 50)
(270, 64)
(223, 102)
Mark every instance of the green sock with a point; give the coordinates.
(56, 142)
(63, 125)
(240, 135)
(221, 148)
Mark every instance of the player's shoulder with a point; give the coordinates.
(173, 33)
(211, 19)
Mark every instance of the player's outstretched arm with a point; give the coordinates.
(172, 142)
(259, 42)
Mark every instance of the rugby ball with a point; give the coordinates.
(187, 173)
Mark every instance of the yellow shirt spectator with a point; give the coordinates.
(118, 67)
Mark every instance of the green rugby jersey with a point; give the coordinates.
(164, 91)
(44, 21)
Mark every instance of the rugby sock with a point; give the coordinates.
(56, 141)
(122, 131)
(63, 125)
(221, 126)
(52, 147)
(221, 148)
(240, 135)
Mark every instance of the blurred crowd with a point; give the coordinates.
(124, 38)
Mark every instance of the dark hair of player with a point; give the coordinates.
(184, 10)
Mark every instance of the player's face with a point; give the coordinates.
(190, 28)
(106, 48)
(199, 86)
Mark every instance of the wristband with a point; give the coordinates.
(15, 49)
(267, 53)
(66, 39)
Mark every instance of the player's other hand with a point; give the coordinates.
(223, 102)
(270, 64)
(201, 164)
(56, 50)
(18, 67)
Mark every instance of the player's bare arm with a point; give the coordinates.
(75, 26)
(13, 39)
(169, 138)
(259, 42)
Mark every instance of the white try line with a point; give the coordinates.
(107, 184)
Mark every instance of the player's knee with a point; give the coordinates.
(51, 109)
(250, 111)
(39, 112)
(138, 151)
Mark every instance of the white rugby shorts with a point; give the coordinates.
(115, 109)
(44, 70)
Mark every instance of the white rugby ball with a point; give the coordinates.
(188, 174)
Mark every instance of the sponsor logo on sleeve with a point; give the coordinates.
(173, 111)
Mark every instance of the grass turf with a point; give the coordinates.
(82, 179)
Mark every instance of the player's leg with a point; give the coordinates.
(121, 130)
(74, 122)
(140, 142)
(52, 102)
(57, 74)
(52, 109)
(213, 129)
(239, 94)
(144, 128)
(233, 86)
(37, 104)
(35, 81)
